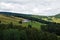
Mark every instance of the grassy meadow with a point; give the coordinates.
(15, 20)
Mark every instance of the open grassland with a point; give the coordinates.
(15, 20)
(6, 19)
(57, 20)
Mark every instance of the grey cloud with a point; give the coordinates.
(40, 7)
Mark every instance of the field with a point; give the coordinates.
(15, 20)
(57, 20)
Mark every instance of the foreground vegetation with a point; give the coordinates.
(17, 32)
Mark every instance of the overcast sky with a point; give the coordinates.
(36, 7)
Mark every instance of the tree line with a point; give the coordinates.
(17, 32)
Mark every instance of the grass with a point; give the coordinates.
(6, 19)
(15, 21)
(57, 20)
(33, 24)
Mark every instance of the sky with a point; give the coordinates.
(35, 7)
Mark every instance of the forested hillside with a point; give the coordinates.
(57, 16)
(12, 27)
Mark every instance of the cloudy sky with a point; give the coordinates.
(36, 7)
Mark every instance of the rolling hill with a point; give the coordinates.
(57, 16)
(18, 30)
(5, 19)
